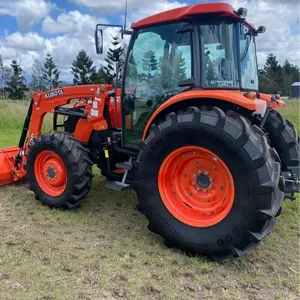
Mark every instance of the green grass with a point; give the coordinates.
(104, 251)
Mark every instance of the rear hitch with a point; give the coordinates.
(292, 182)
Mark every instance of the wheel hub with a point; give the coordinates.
(51, 173)
(196, 186)
(203, 181)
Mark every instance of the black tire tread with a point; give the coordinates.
(78, 161)
(284, 139)
(263, 161)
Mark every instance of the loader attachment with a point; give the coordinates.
(9, 172)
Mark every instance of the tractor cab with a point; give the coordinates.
(200, 47)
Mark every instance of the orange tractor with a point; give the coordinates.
(208, 156)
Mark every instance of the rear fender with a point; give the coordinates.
(228, 96)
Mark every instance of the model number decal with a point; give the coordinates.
(54, 94)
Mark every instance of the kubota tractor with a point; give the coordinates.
(208, 156)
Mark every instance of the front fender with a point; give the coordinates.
(235, 97)
(267, 98)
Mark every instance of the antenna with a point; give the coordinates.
(125, 15)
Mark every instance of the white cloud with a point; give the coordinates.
(30, 41)
(79, 34)
(73, 21)
(76, 31)
(277, 17)
(150, 8)
(137, 8)
(108, 6)
(27, 12)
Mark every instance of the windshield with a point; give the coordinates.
(219, 55)
(248, 61)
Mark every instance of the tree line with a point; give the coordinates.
(273, 77)
(46, 76)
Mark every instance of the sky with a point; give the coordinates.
(30, 29)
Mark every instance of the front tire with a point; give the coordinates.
(59, 170)
(241, 222)
(284, 139)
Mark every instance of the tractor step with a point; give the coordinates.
(121, 186)
(124, 165)
(118, 186)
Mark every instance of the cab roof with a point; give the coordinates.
(187, 12)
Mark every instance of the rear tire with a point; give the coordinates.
(59, 154)
(256, 174)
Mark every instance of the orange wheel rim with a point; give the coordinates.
(50, 173)
(196, 186)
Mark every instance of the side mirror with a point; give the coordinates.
(99, 40)
(261, 29)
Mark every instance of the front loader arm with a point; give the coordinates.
(13, 159)
(52, 101)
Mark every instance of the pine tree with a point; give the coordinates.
(114, 55)
(271, 66)
(131, 72)
(179, 72)
(274, 78)
(1, 77)
(82, 69)
(38, 82)
(16, 86)
(99, 76)
(270, 77)
(51, 73)
(149, 63)
(290, 74)
(1, 72)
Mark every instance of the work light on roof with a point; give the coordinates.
(242, 12)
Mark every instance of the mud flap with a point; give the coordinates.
(7, 174)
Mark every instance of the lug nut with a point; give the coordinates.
(206, 173)
(210, 186)
(194, 183)
(199, 172)
(211, 179)
(194, 176)
(205, 190)
(198, 189)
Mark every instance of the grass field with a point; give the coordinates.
(104, 251)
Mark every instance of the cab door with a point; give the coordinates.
(159, 57)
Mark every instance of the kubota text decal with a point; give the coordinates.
(54, 94)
